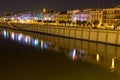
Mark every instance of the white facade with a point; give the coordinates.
(95, 15)
(82, 16)
(111, 15)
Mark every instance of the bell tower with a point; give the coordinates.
(44, 10)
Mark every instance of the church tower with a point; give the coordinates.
(44, 10)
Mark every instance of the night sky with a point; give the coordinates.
(36, 5)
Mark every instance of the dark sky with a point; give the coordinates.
(35, 5)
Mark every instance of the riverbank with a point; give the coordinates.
(95, 35)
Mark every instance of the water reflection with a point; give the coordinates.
(73, 55)
(97, 57)
(4, 34)
(100, 54)
(24, 39)
(78, 54)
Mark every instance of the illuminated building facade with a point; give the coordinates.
(81, 16)
(106, 17)
(95, 15)
(63, 16)
(111, 16)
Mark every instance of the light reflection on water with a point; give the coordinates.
(24, 39)
(74, 49)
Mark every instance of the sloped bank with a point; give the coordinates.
(103, 36)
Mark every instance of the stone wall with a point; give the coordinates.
(105, 36)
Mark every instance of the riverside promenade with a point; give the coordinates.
(95, 35)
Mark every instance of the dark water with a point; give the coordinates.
(31, 56)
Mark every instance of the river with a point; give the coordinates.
(34, 56)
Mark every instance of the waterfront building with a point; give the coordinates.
(96, 15)
(55, 16)
(80, 16)
(107, 17)
(47, 17)
(44, 17)
(38, 17)
(63, 16)
(22, 18)
(111, 16)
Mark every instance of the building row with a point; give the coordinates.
(105, 17)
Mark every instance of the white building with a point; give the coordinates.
(81, 16)
(95, 15)
(111, 15)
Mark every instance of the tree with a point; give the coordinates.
(117, 25)
(96, 22)
(84, 23)
(69, 22)
(89, 25)
(78, 23)
(63, 23)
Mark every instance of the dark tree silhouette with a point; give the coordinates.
(96, 22)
